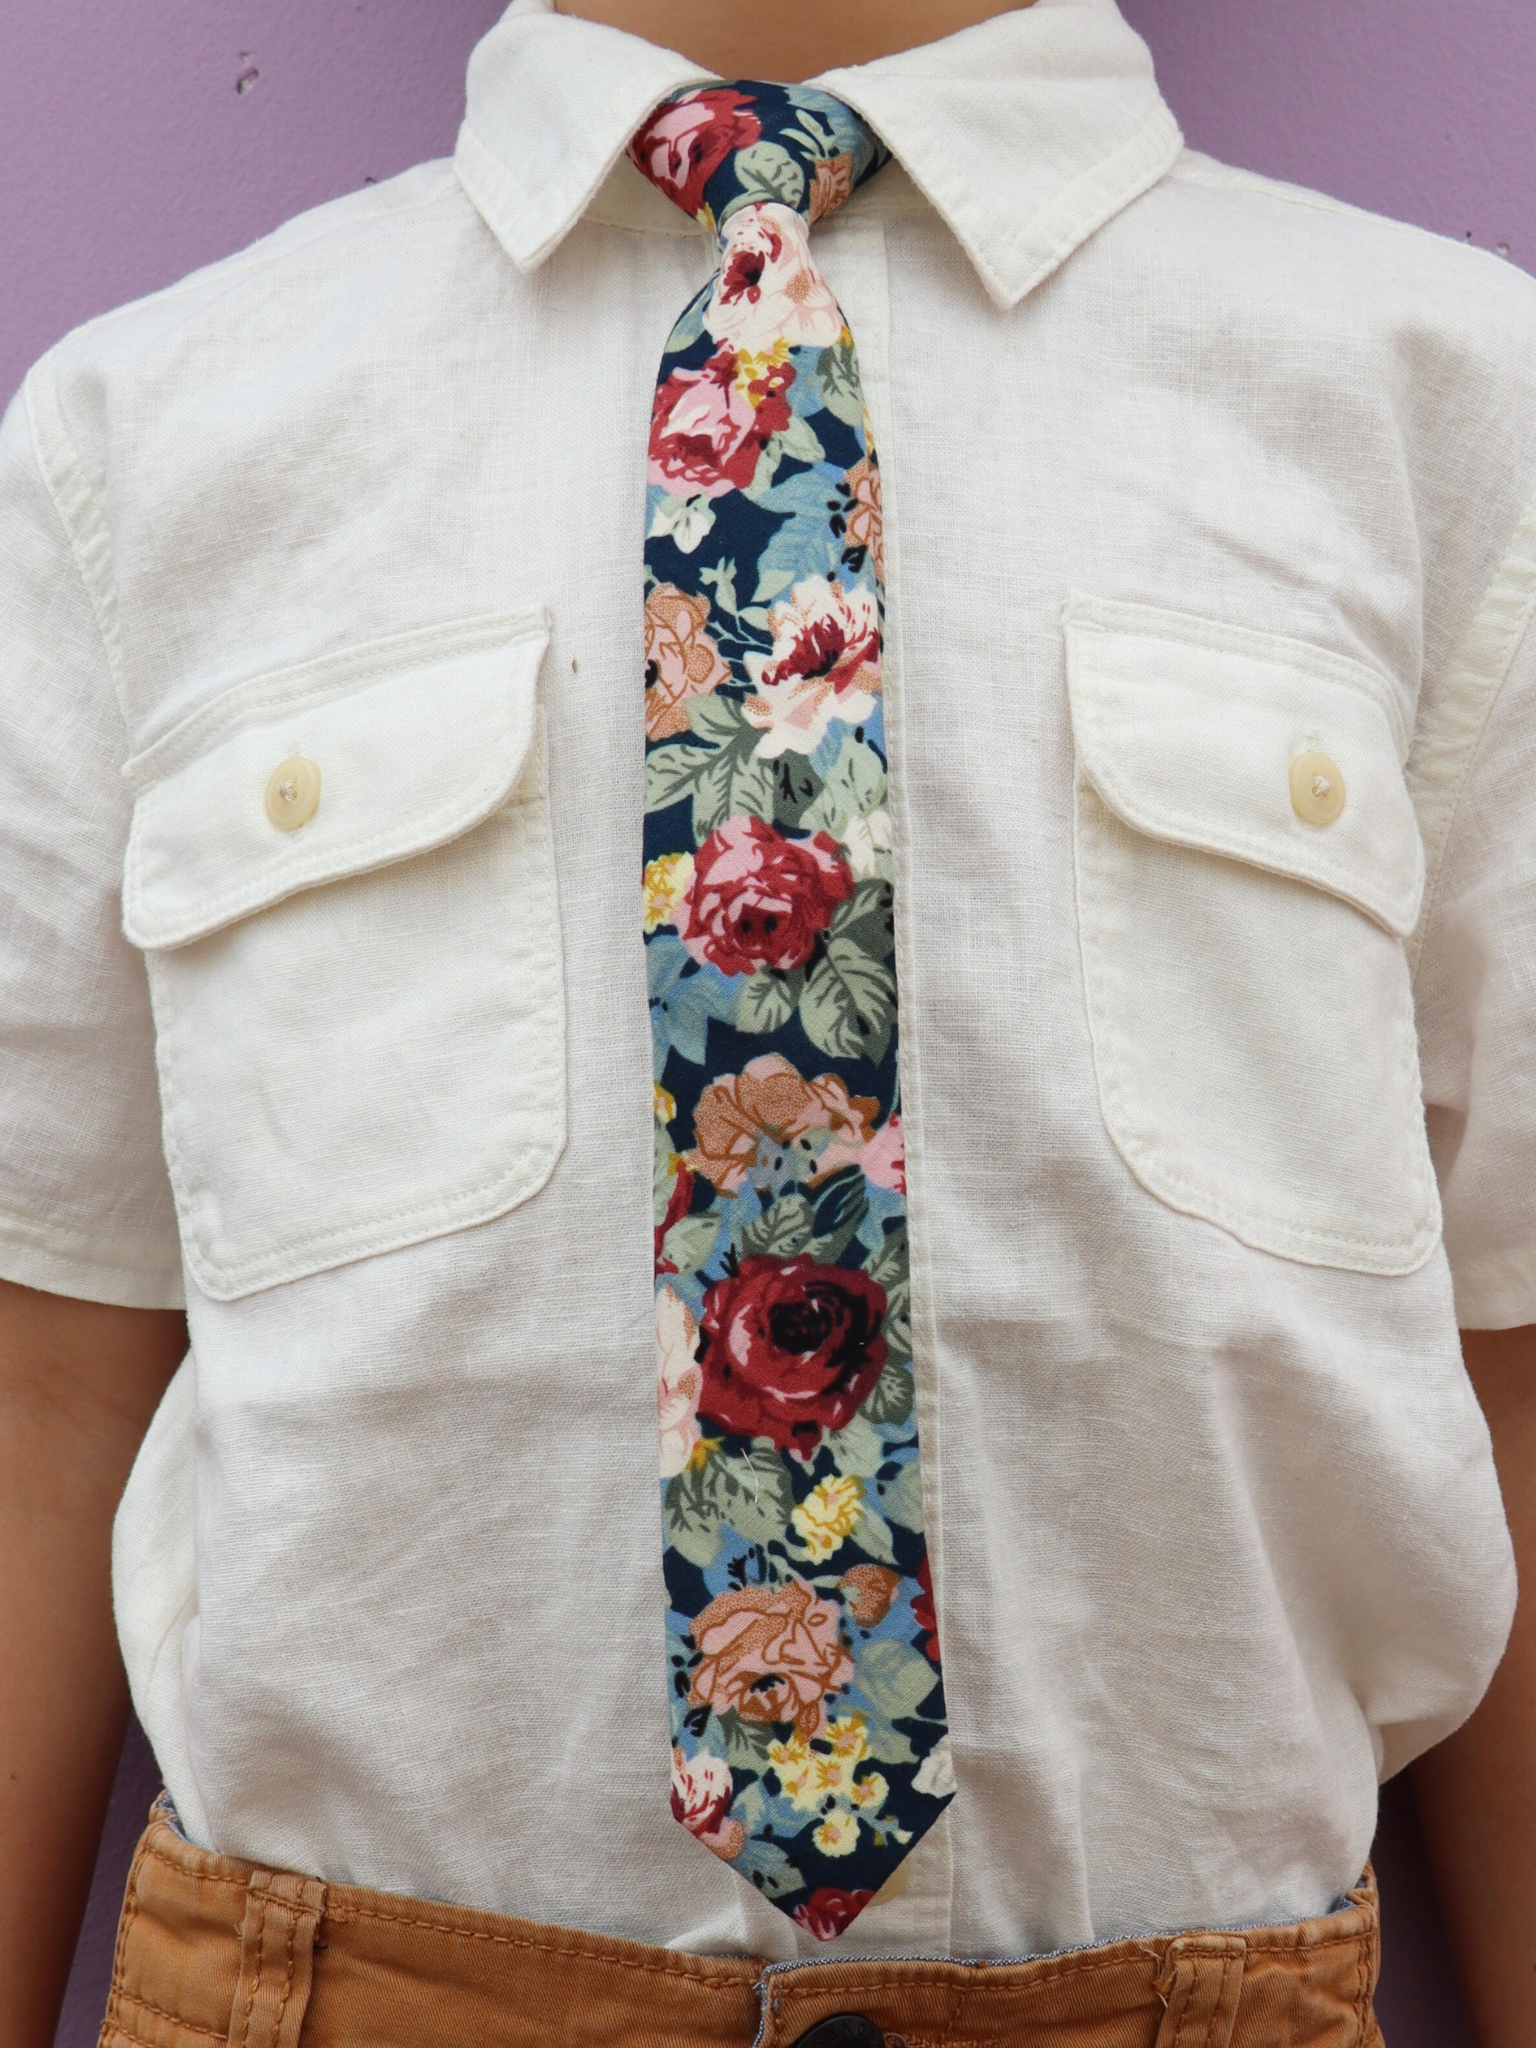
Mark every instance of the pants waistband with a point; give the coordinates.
(212, 1950)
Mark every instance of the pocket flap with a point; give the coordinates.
(416, 739)
(1187, 730)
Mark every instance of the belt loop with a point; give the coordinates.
(277, 1959)
(1200, 1983)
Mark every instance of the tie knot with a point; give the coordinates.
(714, 149)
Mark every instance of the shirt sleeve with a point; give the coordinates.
(85, 1204)
(1477, 974)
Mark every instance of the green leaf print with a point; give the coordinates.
(849, 1005)
(897, 1678)
(872, 1534)
(868, 919)
(855, 788)
(903, 1498)
(767, 999)
(889, 1264)
(746, 1742)
(717, 719)
(837, 374)
(782, 1230)
(841, 1205)
(752, 1492)
(690, 1241)
(765, 1865)
(735, 784)
(721, 578)
(670, 773)
(857, 1447)
(897, 1327)
(893, 1395)
(691, 1520)
(887, 1745)
(795, 786)
(766, 170)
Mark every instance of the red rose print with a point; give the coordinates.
(922, 1610)
(758, 899)
(828, 1911)
(686, 141)
(708, 427)
(790, 1349)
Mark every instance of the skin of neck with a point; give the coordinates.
(805, 37)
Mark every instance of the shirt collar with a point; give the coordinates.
(1026, 133)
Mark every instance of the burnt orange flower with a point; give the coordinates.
(831, 183)
(681, 659)
(865, 524)
(770, 1104)
(869, 1590)
(772, 1656)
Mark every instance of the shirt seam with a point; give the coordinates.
(1447, 748)
(86, 1250)
(1197, 167)
(70, 493)
(1486, 1286)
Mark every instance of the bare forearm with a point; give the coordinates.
(1477, 1791)
(78, 1384)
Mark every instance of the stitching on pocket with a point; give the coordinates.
(1315, 1244)
(227, 1278)
(321, 681)
(1150, 622)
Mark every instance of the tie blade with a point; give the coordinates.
(810, 1745)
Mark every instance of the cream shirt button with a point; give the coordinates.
(1317, 788)
(293, 794)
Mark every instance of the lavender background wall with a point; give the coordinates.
(144, 137)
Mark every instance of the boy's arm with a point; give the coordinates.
(79, 1382)
(1477, 1791)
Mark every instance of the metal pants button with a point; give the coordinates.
(844, 2030)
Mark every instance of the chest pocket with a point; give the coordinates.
(359, 1017)
(1248, 866)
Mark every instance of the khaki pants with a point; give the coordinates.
(212, 1951)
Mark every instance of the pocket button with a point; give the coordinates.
(1317, 788)
(293, 793)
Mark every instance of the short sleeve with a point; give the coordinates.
(85, 1203)
(1477, 973)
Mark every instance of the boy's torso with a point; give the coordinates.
(1215, 1530)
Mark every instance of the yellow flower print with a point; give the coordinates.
(752, 370)
(871, 1791)
(850, 1738)
(838, 1835)
(828, 1514)
(798, 1770)
(665, 884)
(665, 1105)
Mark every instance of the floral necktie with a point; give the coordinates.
(810, 1744)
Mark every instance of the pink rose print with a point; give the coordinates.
(708, 429)
(882, 1158)
(825, 664)
(679, 1382)
(758, 899)
(769, 290)
(685, 142)
(701, 1798)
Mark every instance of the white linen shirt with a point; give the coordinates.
(1188, 475)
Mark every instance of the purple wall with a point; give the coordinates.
(144, 137)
